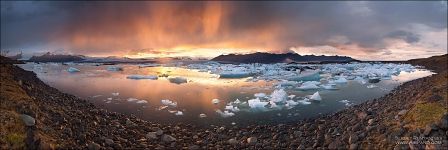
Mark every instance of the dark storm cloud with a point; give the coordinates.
(89, 27)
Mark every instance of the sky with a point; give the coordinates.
(364, 30)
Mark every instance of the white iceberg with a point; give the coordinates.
(291, 103)
(307, 75)
(309, 85)
(279, 95)
(260, 95)
(131, 99)
(232, 108)
(179, 113)
(346, 102)
(141, 102)
(72, 70)
(115, 94)
(168, 102)
(225, 114)
(316, 96)
(110, 98)
(256, 103)
(237, 101)
(114, 68)
(138, 77)
(329, 87)
(305, 101)
(215, 101)
(177, 80)
(341, 80)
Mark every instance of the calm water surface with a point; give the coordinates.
(96, 84)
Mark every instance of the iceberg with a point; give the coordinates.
(225, 114)
(232, 108)
(131, 99)
(168, 102)
(110, 98)
(307, 75)
(237, 101)
(179, 113)
(291, 96)
(279, 95)
(360, 80)
(115, 94)
(309, 85)
(215, 101)
(73, 70)
(341, 80)
(178, 80)
(256, 103)
(291, 103)
(316, 96)
(138, 77)
(114, 68)
(260, 95)
(305, 101)
(329, 87)
(141, 102)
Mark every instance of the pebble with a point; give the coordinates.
(168, 138)
(28, 120)
(252, 140)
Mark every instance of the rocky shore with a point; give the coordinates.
(36, 116)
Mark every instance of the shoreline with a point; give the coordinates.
(64, 121)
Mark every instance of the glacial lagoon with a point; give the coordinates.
(206, 93)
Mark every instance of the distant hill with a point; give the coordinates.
(48, 57)
(279, 58)
(436, 63)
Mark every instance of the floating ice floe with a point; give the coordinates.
(260, 95)
(305, 101)
(371, 86)
(360, 80)
(291, 96)
(237, 101)
(215, 101)
(329, 87)
(202, 115)
(225, 114)
(307, 75)
(309, 85)
(177, 80)
(291, 103)
(168, 102)
(115, 94)
(110, 98)
(346, 102)
(141, 102)
(179, 113)
(315, 96)
(138, 77)
(340, 80)
(256, 103)
(232, 108)
(95, 96)
(114, 68)
(131, 99)
(279, 95)
(73, 69)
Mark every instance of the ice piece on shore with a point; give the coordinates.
(232, 108)
(168, 102)
(309, 85)
(279, 95)
(371, 86)
(114, 68)
(260, 95)
(73, 69)
(138, 77)
(340, 80)
(316, 96)
(307, 75)
(256, 103)
(115, 94)
(237, 101)
(346, 102)
(141, 102)
(110, 98)
(360, 80)
(95, 96)
(179, 113)
(177, 80)
(291, 96)
(131, 99)
(202, 115)
(215, 101)
(225, 114)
